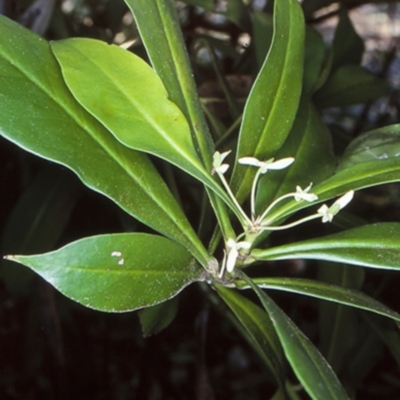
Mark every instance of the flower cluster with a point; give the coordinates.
(257, 224)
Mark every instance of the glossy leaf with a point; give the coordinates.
(259, 328)
(159, 29)
(160, 32)
(54, 126)
(272, 104)
(309, 142)
(378, 144)
(312, 370)
(350, 85)
(324, 291)
(119, 272)
(142, 120)
(374, 246)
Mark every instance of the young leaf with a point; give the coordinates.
(259, 329)
(38, 113)
(160, 31)
(272, 104)
(374, 246)
(315, 374)
(144, 120)
(324, 291)
(119, 272)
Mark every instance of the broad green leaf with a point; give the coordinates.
(38, 113)
(160, 32)
(350, 85)
(144, 120)
(156, 318)
(378, 144)
(118, 272)
(355, 177)
(309, 142)
(347, 45)
(324, 291)
(312, 370)
(374, 246)
(259, 329)
(272, 104)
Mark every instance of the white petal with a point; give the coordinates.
(231, 260)
(344, 200)
(282, 163)
(218, 158)
(250, 161)
(222, 168)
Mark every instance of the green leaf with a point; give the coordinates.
(324, 291)
(378, 144)
(312, 370)
(47, 121)
(156, 318)
(374, 246)
(159, 29)
(259, 329)
(272, 104)
(160, 32)
(350, 85)
(309, 142)
(144, 120)
(119, 272)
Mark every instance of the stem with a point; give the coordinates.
(247, 220)
(291, 225)
(253, 194)
(276, 201)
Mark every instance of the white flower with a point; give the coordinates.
(327, 213)
(218, 167)
(304, 194)
(264, 166)
(233, 248)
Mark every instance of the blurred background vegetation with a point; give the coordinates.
(52, 348)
